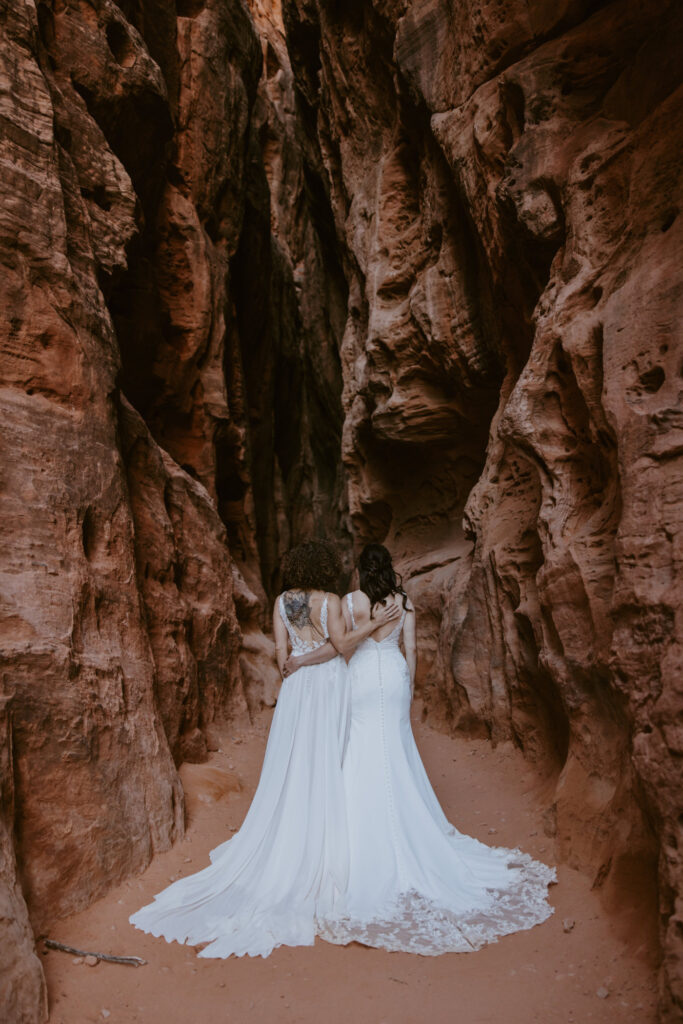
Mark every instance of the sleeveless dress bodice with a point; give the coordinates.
(299, 644)
(390, 642)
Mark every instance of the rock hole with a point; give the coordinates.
(515, 110)
(89, 531)
(84, 92)
(669, 220)
(120, 44)
(435, 236)
(272, 62)
(563, 365)
(168, 496)
(652, 379)
(98, 195)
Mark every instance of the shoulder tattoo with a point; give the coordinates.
(298, 609)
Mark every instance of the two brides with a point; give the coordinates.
(345, 837)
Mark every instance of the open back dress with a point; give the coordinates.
(415, 883)
(285, 869)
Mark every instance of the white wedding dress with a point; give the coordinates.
(415, 883)
(285, 869)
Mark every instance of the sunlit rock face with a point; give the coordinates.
(505, 181)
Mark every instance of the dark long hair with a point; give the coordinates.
(312, 566)
(378, 578)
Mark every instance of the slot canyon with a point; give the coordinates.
(406, 271)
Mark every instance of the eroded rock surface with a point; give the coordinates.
(120, 637)
(506, 188)
(396, 271)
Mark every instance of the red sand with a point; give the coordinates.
(544, 975)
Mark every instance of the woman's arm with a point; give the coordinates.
(410, 645)
(281, 638)
(346, 614)
(321, 654)
(347, 641)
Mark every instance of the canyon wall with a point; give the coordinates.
(372, 270)
(505, 180)
(126, 625)
(171, 396)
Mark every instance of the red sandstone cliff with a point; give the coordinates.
(120, 636)
(407, 272)
(506, 187)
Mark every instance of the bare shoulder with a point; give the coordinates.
(360, 600)
(410, 607)
(333, 600)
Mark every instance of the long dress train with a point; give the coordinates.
(415, 882)
(268, 885)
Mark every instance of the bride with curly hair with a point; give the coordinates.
(285, 870)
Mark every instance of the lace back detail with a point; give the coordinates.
(299, 644)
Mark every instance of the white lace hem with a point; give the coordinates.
(413, 923)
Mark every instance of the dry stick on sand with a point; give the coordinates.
(132, 961)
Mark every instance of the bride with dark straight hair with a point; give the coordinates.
(414, 882)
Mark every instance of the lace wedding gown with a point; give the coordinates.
(285, 868)
(416, 883)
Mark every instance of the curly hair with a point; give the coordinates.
(312, 566)
(378, 578)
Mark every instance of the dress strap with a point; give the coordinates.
(349, 602)
(323, 619)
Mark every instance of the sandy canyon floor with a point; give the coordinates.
(544, 975)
